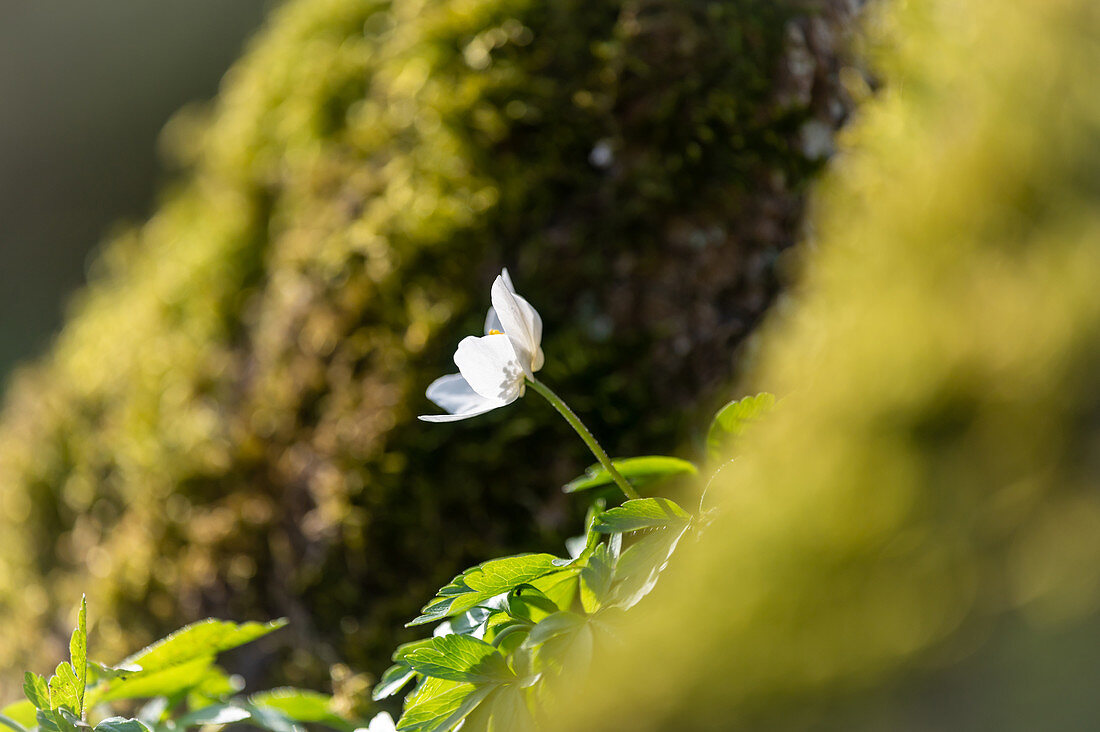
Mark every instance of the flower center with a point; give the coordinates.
(494, 331)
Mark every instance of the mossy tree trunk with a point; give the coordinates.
(226, 425)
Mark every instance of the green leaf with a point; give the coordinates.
(101, 672)
(393, 680)
(78, 654)
(165, 682)
(485, 581)
(301, 705)
(560, 588)
(64, 691)
(529, 603)
(120, 724)
(731, 421)
(272, 719)
(36, 690)
(214, 686)
(204, 638)
(58, 720)
(460, 658)
(641, 513)
(442, 711)
(213, 714)
(639, 567)
(562, 641)
(638, 471)
(505, 710)
(20, 712)
(596, 579)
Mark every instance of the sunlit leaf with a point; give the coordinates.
(460, 658)
(204, 638)
(301, 705)
(596, 579)
(393, 680)
(213, 714)
(483, 582)
(641, 513)
(439, 712)
(639, 471)
(36, 690)
(639, 567)
(65, 689)
(78, 654)
(731, 420)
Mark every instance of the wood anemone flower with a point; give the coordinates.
(493, 368)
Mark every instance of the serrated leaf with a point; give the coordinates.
(121, 724)
(638, 471)
(393, 680)
(36, 690)
(483, 582)
(20, 712)
(301, 705)
(641, 513)
(78, 654)
(204, 638)
(64, 692)
(460, 658)
(440, 712)
(731, 421)
(213, 714)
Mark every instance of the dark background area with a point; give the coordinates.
(85, 88)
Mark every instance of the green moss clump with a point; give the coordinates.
(226, 424)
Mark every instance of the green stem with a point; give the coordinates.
(575, 422)
(8, 721)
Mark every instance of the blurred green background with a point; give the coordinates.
(85, 90)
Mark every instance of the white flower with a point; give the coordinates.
(382, 722)
(492, 368)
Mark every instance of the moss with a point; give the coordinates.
(226, 424)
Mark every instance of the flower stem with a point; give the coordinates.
(575, 422)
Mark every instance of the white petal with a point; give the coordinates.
(490, 366)
(382, 722)
(492, 322)
(454, 394)
(489, 406)
(507, 278)
(521, 323)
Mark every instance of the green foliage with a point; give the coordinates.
(732, 420)
(515, 625)
(226, 422)
(641, 513)
(640, 471)
(179, 679)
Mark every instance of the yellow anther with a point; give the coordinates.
(494, 331)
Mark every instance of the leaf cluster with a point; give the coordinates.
(175, 683)
(509, 629)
